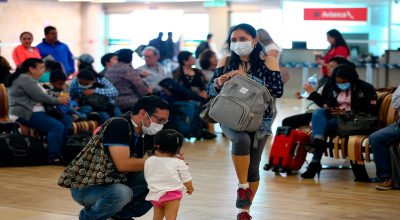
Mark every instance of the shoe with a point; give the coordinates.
(93, 116)
(313, 169)
(74, 117)
(61, 162)
(388, 184)
(243, 198)
(244, 216)
(207, 135)
(318, 144)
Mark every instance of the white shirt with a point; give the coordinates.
(273, 46)
(165, 174)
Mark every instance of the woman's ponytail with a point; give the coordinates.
(23, 68)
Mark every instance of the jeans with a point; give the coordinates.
(104, 116)
(380, 144)
(81, 113)
(322, 122)
(123, 200)
(56, 130)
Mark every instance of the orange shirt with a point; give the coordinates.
(20, 54)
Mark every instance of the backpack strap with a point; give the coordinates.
(103, 128)
(227, 62)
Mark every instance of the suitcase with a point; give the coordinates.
(20, 150)
(185, 118)
(288, 152)
(74, 145)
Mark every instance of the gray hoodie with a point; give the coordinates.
(24, 93)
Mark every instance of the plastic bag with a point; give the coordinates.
(395, 162)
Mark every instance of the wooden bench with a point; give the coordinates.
(25, 130)
(356, 148)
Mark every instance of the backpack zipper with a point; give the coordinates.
(271, 98)
(244, 109)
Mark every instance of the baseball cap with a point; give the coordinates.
(85, 58)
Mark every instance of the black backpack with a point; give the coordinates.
(74, 145)
(20, 150)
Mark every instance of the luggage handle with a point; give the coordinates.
(19, 150)
(295, 149)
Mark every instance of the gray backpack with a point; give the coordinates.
(241, 104)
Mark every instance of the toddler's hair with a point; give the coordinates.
(168, 141)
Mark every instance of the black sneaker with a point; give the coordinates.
(243, 198)
(206, 135)
(93, 116)
(244, 216)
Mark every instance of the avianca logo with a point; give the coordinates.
(332, 14)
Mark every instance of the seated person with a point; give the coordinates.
(84, 61)
(380, 143)
(49, 65)
(57, 89)
(208, 63)
(127, 81)
(153, 72)
(108, 61)
(26, 98)
(126, 199)
(348, 93)
(88, 83)
(318, 96)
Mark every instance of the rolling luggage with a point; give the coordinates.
(288, 152)
(74, 145)
(185, 118)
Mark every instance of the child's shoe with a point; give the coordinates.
(243, 216)
(243, 198)
(74, 117)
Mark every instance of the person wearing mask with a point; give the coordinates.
(161, 46)
(153, 72)
(25, 50)
(84, 61)
(348, 93)
(338, 47)
(318, 96)
(49, 65)
(59, 51)
(247, 61)
(125, 142)
(26, 98)
(380, 142)
(108, 61)
(87, 83)
(4, 69)
(127, 81)
(208, 44)
(208, 63)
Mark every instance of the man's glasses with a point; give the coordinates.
(160, 120)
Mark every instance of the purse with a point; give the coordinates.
(351, 123)
(52, 111)
(204, 115)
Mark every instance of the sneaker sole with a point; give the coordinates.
(383, 188)
(242, 207)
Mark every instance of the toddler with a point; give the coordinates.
(166, 176)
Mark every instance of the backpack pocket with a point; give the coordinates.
(229, 112)
(253, 122)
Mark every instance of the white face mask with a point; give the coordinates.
(153, 129)
(242, 49)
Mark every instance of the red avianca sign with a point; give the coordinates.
(336, 14)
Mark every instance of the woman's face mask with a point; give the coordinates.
(344, 86)
(242, 49)
(86, 87)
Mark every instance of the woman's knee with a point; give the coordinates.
(318, 112)
(241, 145)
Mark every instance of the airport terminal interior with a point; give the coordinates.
(120, 52)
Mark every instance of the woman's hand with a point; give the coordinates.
(326, 107)
(297, 95)
(232, 73)
(63, 100)
(223, 79)
(308, 87)
(337, 111)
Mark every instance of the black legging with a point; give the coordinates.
(297, 120)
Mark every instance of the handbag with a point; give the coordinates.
(98, 102)
(52, 111)
(204, 115)
(351, 123)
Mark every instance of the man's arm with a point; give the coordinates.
(121, 158)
